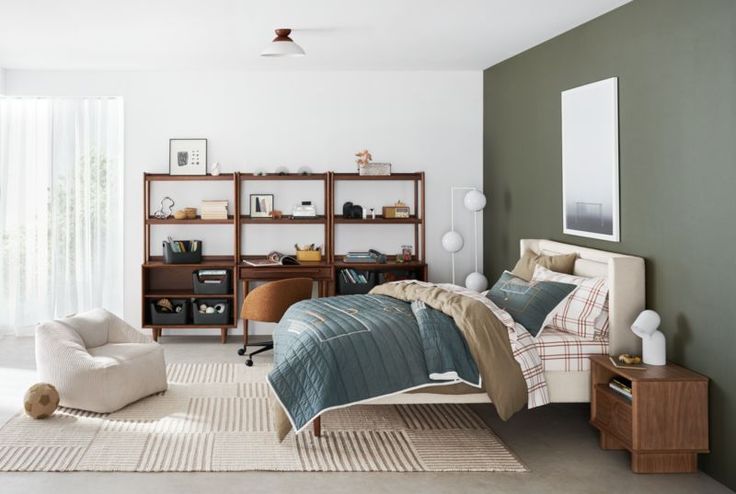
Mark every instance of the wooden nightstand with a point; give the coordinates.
(664, 425)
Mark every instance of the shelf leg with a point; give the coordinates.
(223, 335)
(607, 441)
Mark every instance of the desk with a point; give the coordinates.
(321, 272)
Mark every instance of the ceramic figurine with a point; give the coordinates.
(215, 169)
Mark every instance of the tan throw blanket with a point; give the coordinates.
(487, 337)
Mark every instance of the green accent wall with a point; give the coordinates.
(676, 66)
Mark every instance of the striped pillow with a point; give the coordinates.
(578, 313)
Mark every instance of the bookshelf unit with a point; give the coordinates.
(417, 267)
(161, 280)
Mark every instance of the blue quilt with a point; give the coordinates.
(336, 351)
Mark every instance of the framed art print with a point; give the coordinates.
(261, 205)
(590, 176)
(187, 156)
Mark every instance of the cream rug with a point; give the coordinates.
(217, 417)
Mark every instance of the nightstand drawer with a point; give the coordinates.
(613, 413)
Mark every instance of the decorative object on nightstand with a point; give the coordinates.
(453, 241)
(653, 348)
(187, 156)
(215, 169)
(659, 414)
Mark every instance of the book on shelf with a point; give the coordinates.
(371, 256)
(214, 210)
(273, 259)
(353, 277)
(621, 386)
(621, 365)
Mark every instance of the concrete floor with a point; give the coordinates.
(556, 443)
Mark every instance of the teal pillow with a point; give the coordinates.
(529, 303)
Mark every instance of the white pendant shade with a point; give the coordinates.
(452, 241)
(474, 200)
(283, 46)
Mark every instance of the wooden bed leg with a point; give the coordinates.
(155, 334)
(317, 427)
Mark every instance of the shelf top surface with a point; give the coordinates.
(669, 372)
(165, 177)
(284, 176)
(393, 176)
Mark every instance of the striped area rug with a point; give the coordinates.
(217, 417)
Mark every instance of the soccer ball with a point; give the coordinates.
(41, 400)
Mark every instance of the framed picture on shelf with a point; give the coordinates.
(187, 156)
(261, 205)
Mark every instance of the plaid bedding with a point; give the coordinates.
(522, 344)
(562, 351)
(579, 312)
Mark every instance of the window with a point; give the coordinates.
(61, 208)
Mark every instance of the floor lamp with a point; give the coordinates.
(453, 242)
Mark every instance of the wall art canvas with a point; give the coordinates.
(590, 178)
(187, 156)
(261, 205)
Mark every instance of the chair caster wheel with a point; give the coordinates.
(249, 363)
(241, 351)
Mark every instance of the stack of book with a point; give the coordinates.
(622, 386)
(372, 256)
(359, 257)
(214, 210)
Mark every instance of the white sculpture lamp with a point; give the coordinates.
(453, 242)
(653, 348)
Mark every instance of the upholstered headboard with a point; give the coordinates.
(626, 296)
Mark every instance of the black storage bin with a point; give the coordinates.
(214, 284)
(345, 287)
(171, 318)
(171, 257)
(216, 319)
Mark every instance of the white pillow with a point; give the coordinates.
(580, 311)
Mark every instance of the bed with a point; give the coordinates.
(565, 356)
(317, 356)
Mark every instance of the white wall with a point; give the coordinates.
(2, 80)
(429, 121)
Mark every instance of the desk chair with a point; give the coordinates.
(267, 303)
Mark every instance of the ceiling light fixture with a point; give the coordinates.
(283, 46)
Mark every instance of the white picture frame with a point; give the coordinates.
(590, 161)
(187, 156)
(261, 205)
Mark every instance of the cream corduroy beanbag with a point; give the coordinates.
(98, 362)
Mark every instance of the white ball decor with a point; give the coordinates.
(474, 200)
(452, 241)
(476, 282)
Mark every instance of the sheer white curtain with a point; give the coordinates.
(61, 208)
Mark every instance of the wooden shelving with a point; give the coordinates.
(284, 220)
(378, 220)
(161, 280)
(192, 221)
